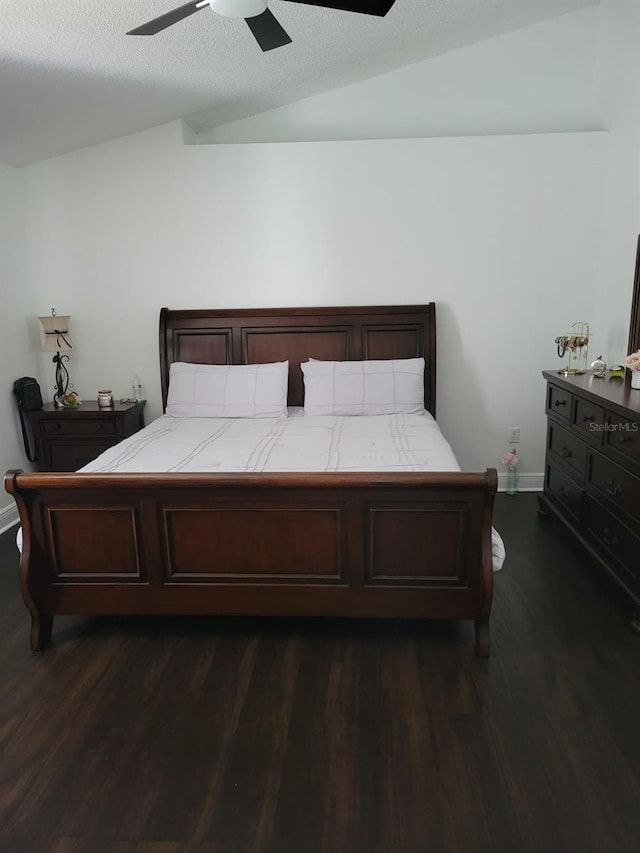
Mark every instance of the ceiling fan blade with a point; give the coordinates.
(364, 7)
(169, 18)
(267, 31)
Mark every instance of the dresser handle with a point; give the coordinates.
(100, 427)
(612, 488)
(563, 493)
(609, 538)
(56, 426)
(559, 402)
(566, 453)
(586, 418)
(625, 438)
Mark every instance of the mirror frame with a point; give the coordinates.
(634, 324)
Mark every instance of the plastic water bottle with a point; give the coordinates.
(513, 479)
(136, 388)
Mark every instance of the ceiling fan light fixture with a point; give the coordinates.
(238, 8)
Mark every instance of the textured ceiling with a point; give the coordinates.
(70, 77)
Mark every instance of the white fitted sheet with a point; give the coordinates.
(294, 443)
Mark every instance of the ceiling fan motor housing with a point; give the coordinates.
(238, 8)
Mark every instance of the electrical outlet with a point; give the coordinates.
(514, 435)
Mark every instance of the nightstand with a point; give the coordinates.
(67, 439)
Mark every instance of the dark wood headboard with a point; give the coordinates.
(250, 336)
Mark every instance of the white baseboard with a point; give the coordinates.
(8, 517)
(528, 482)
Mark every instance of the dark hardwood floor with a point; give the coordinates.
(159, 735)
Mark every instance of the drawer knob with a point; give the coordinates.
(609, 538)
(560, 403)
(612, 488)
(625, 438)
(56, 426)
(586, 418)
(566, 453)
(563, 493)
(100, 427)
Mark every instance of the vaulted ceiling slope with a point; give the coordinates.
(70, 77)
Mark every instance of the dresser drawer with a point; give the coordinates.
(564, 490)
(559, 402)
(85, 426)
(618, 485)
(614, 538)
(623, 436)
(569, 448)
(589, 418)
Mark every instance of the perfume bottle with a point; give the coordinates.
(598, 368)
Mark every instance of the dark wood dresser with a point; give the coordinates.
(592, 471)
(67, 439)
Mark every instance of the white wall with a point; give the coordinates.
(514, 236)
(618, 93)
(15, 322)
(502, 232)
(538, 79)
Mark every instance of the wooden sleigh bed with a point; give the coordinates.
(406, 544)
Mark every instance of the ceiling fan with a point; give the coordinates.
(262, 23)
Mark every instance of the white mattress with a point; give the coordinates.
(294, 443)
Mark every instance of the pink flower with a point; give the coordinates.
(510, 458)
(633, 360)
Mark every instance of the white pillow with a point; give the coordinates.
(389, 387)
(228, 390)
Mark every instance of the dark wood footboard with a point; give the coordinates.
(361, 545)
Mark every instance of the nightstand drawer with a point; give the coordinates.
(618, 485)
(71, 457)
(559, 402)
(569, 448)
(86, 426)
(68, 439)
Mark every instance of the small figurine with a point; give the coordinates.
(71, 400)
